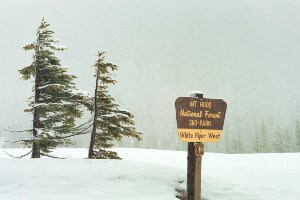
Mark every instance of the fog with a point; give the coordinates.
(243, 51)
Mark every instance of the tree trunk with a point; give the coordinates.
(36, 147)
(93, 135)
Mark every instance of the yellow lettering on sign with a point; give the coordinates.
(212, 115)
(202, 123)
(193, 104)
(188, 113)
(205, 104)
(199, 135)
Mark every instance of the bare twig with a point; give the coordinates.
(18, 131)
(51, 156)
(18, 156)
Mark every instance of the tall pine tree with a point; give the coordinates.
(278, 141)
(56, 102)
(110, 122)
(297, 135)
(262, 142)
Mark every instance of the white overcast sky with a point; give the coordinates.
(244, 51)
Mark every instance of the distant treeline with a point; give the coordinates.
(266, 136)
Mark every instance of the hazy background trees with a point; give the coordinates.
(245, 52)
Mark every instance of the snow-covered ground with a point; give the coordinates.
(148, 174)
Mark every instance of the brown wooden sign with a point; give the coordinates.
(200, 120)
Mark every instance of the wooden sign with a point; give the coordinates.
(199, 149)
(200, 119)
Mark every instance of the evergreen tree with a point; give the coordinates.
(262, 139)
(297, 136)
(237, 142)
(56, 102)
(288, 144)
(255, 148)
(109, 123)
(278, 143)
(227, 141)
(254, 137)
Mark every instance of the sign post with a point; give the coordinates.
(198, 120)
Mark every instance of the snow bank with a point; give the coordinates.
(82, 179)
(149, 174)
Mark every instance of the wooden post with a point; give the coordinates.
(193, 126)
(193, 169)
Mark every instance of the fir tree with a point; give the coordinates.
(226, 139)
(278, 144)
(297, 135)
(110, 122)
(262, 139)
(288, 145)
(56, 102)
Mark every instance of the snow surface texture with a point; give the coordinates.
(148, 174)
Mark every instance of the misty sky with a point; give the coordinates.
(244, 51)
